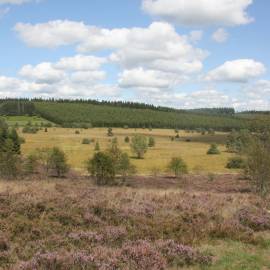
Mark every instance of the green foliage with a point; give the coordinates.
(97, 146)
(57, 162)
(236, 163)
(16, 141)
(213, 150)
(86, 141)
(30, 129)
(151, 142)
(139, 145)
(31, 163)
(127, 140)
(110, 132)
(124, 166)
(258, 163)
(9, 160)
(237, 142)
(67, 113)
(178, 166)
(101, 166)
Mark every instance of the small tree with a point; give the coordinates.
(86, 141)
(13, 135)
(127, 140)
(101, 166)
(139, 145)
(57, 162)
(258, 164)
(151, 142)
(236, 163)
(110, 132)
(97, 147)
(9, 160)
(124, 166)
(178, 166)
(31, 164)
(213, 150)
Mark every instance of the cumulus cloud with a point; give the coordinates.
(158, 46)
(141, 78)
(200, 12)
(240, 71)
(154, 57)
(14, 2)
(220, 36)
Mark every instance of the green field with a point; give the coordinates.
(157, 158)
(23, 120)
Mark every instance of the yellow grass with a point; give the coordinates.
(194, 153)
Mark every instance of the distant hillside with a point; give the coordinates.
(119, 114)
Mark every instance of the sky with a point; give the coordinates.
(176, 53)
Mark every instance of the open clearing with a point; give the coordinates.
(194, 152)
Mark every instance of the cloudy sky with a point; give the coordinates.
(178, 53)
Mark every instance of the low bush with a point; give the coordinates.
(236, 163)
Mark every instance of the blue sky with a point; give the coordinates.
(179, 53)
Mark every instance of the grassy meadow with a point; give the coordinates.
(193, 152)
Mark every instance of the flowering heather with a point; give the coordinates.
(256, 218)
(75, 225)
(181, 254)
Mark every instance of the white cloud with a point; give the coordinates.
(52, 34)
(141, 78)
(42, 73)
(220, 36)
(157, 47)
(155, 56)
(14, 2)
(200, 12)
(241, 71)
(80, 62)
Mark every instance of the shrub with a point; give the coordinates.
(236, 163)
(30, 130)
(151, 142)
(258, 163)
(31, 163)
(213, 150)
(139, 145)
(97, 147)
(124, 166)
(101, 166)
(57, 162)
(127, 140)
(77, 132)
(86, 141)
(110, 132)
(9, 161)
(178, 166)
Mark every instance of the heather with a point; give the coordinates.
(73, 224)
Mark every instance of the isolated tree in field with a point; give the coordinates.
(258, 164)
(139, 145)
(178, 166)
(110, 132)
(213, 150)
(57, 162)
(102, 167)
(124, 166)
(16, 141)
(151, 142)
(97, 147)
(127, 140)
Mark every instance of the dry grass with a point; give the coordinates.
(194, 152)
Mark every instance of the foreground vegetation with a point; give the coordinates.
(73, 224)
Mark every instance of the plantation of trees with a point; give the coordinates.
(70, 113)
